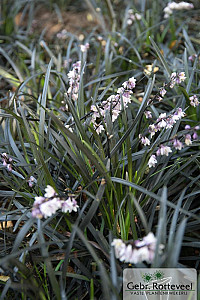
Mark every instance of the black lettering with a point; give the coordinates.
(155, 285)
(130, 285)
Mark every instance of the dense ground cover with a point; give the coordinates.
(99, 144)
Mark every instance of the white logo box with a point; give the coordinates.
(160, 284)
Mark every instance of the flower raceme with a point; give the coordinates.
(8, 163)
(47, 205)
(171, 6)
(114, 103)
(177, 144)
(138, 251)
(133, 16)
(74, 79)
(194, 100)
(165, 121)
(175, 78)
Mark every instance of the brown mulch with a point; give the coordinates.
(50, 23)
